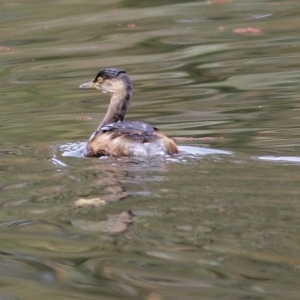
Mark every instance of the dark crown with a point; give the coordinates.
(110, 73)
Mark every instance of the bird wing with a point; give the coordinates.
(133, 129)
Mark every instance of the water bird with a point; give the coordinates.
(115, 136)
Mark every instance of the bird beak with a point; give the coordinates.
(88, 85)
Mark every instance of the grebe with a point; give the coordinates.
(116, 137)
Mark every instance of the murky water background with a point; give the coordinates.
(203, 225)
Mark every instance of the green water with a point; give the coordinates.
(202, 225)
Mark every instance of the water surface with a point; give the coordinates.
(218, 221)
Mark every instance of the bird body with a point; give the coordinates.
(117, 137)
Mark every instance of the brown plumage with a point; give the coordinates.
(116, 137)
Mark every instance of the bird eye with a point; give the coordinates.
(99, 79)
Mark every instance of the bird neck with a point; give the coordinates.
(117, 107)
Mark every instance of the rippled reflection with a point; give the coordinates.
(218, 221)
